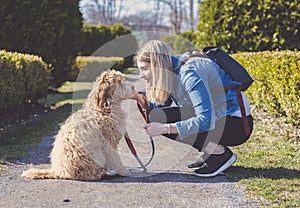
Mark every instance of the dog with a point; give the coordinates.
(85, 147)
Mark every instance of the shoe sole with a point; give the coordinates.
(221, 169)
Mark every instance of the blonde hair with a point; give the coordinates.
(159, 55)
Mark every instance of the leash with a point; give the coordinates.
(145, 114)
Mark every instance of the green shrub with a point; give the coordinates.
(190, 36)
(118, 30)
(49, 29)
(87, 68)
(255, 25)
(179, 44)
(95, 36)
(24, 79)
(277, 82)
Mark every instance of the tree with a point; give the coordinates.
(253, 25)
(105, 11)
(46, 28)
(176, 13)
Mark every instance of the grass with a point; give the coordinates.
(268, 166)
(15, 143)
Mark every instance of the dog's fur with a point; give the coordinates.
(85, 147)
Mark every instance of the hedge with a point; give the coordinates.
(255, 25)
(87, 68)
(276, 88)
(47, 28)
(94, 37)
(24, 79)
(179, 43)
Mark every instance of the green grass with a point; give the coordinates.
(15, 143)
(269, 167)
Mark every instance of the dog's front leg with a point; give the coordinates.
(113, 162)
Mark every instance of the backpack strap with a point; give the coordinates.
(242, 108)
(241, 104)
(200, 54)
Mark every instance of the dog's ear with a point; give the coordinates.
(100, 98)
(107, 84)
(104, 95)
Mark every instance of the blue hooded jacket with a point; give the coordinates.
(196, 85)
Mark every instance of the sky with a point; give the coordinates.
(131, 6)
(135, 6)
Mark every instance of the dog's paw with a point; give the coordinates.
(125, 172)
(110, 172)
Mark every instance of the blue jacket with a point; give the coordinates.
(196, 85)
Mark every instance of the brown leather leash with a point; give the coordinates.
(242, 107)
(145, 113)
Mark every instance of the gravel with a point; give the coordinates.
(167, 183)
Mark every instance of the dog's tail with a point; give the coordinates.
(40, 174)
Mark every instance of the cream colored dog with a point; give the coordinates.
(85, 147)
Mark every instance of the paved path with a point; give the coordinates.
(167, 183)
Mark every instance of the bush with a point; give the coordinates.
(24, 79)
(118, 30)
(95, 36)
(87, 68)
(50, 29)
(179, 44)
(254, 25)
(190, 36)
(277, 82)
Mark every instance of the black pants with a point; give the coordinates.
(228, 131)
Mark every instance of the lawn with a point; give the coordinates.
(268, 166)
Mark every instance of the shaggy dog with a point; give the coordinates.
(85, 147)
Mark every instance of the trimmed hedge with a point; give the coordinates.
(277, 82)
(24, 79)
(47, 28)
(180, 43)
(249, 25)
(94, 37)
(87, 68)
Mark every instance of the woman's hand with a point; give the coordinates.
(155, 129)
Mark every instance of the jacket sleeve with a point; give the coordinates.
(196, 86)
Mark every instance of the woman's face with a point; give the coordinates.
(145, 71)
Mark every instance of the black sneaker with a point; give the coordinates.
(215, 164)
(200, 161)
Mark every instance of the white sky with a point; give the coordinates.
(131, 6)
(136, 6)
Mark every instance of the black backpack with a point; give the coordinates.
(227, 63)
(234, 69)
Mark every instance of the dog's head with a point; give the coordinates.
(111, 86)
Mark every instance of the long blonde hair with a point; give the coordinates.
(159, 55)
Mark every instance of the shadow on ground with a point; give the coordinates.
(237, 173)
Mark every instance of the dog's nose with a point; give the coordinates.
(132, 87)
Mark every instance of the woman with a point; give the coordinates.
(202, 114)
